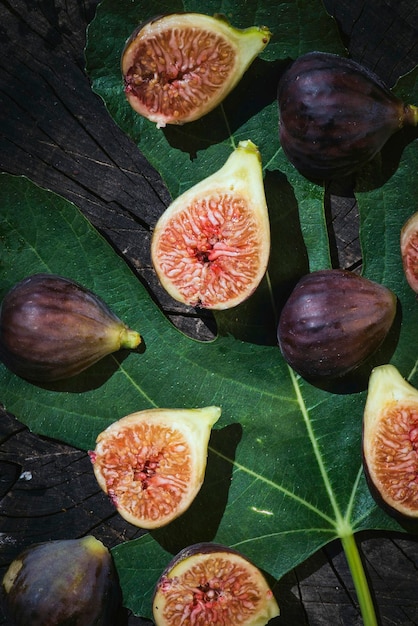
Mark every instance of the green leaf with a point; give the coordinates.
(284, 474)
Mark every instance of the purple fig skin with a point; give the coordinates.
(336, 115)
(52, 328)
(332, 322)
(204, 547)
(63, 582)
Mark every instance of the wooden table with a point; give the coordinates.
(56, 131)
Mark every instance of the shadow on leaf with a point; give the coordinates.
(256, 319)
(201, 521)
(384, 165)
(256, 90)
(96, 375)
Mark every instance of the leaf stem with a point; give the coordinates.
(360, 580)
(231, 136)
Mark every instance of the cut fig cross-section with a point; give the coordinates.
(390, 441)
(178, 67)
(210, 247)
(208, 583)
(409, 251)
(152, 463)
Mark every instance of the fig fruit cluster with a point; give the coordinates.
(74, 582)
(211, 249)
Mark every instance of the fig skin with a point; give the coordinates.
(332, 322)
(210, 248)
(390, 442)
(193, 581)
(178, 67)
(53, 328)
(409, 251)
(63, 582)
(336, 115)
(152, 463)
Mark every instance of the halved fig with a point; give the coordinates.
(178, 67)
(53, 328)
(409, 251)
(152, 463)
(390, 441)
(333, 321)
(63, 582)
(208, 583)
(211, 246)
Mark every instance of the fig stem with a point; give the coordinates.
(411, 115)
(129, 339)
(361, 584)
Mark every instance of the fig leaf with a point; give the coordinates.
(284, 459)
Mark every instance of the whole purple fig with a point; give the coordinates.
(333, 321)
(53, 328)
(63, 582)
(336, 115)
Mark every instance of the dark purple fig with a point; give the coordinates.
(409, 251)
(208, 583)
(333, 321)
(336, 115)
(152, 463)
(178, 67)
(70, 582)
(390, 441)
(53, 328)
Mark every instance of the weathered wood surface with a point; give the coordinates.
(57, 132)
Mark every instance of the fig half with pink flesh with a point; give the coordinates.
(210, 248)
(152, 463)
(390, 441)
(208, 583)
(178, 67)
(409, 251)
